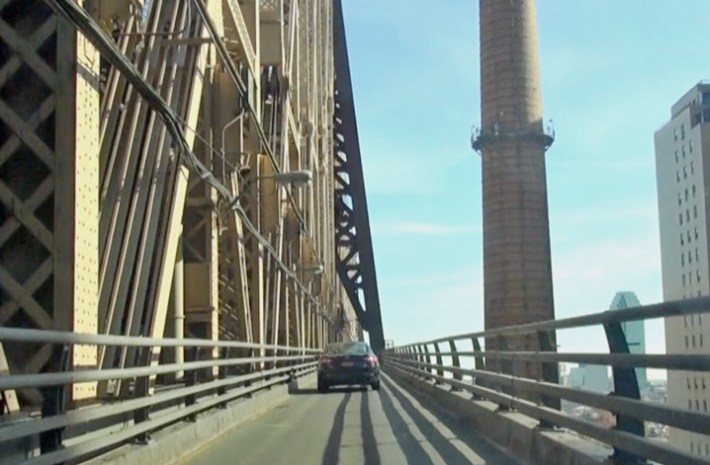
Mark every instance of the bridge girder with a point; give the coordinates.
(127, 235)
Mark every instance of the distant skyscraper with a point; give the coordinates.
(634, 331)
(683, 178)
(590, 378)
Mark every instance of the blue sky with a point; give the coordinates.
(611, 70)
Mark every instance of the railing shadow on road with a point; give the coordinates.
(369, 439)
(331, 454)
(410, 445)
(444, 445)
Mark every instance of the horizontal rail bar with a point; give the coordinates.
(646, 312)
(8, 334)
(87, 447)
(35, 426)
(698, 422)
(69, 377)
(621, 440)
(687, 362)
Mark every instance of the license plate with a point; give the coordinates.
(347, 364)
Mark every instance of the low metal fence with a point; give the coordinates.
(60, 432)
(541, 398)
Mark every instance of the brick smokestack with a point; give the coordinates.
(512, 143)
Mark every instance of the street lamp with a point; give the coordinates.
(315, 269)
(298, 178)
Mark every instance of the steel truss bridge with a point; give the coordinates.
(183, 228)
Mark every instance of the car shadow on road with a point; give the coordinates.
(296, 391)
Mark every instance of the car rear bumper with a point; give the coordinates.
(356, 375)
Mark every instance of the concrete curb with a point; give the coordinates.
(514, 434)
(177, 441)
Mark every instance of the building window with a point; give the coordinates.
(680, 200)
(689, 240)
(697, 404)
(685, 323)
(685, 172)
(682, 132)
(693, 190)
(686, 194)
(690, 145)
(697, 280)
(700, 336)
(696, 233)
(690, 405)
(697, 255)
(695, 383)
(675, 134)
(690, 257)
(677, 176)
(687, 214)
(695, 211)
(693, 338)
(687, 382)
(692, 168)
(707, 447)
(681, 239)
(683, 150)
(682, 261)
(702, 382)
(700, 317)
(705, 407)
(683, 279)
(676, 156)
(686, 345)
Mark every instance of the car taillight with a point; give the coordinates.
(372, 360)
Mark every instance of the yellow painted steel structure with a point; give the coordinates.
(103, 227)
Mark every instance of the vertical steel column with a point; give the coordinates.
(49, 175)
(455, 360)
(550, 373)
(625, 385)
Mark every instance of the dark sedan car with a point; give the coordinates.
(348, 363)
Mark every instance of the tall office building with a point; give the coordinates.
(634, 331)
(683, 178)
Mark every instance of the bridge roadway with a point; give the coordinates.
(348, 427)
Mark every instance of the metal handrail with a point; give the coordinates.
(61, 337)
(500, 384)
(687, 362)
(140, 411)
(661, 310)
(83, 376)
(688, 420)
(618, 439)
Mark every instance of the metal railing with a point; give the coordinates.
(540, 398)
(212, 378)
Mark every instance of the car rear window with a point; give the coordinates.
(348, 349)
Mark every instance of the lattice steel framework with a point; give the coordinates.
(106, 223)
(48, 186)
(356, 263)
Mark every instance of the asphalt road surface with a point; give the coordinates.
(347, 427)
